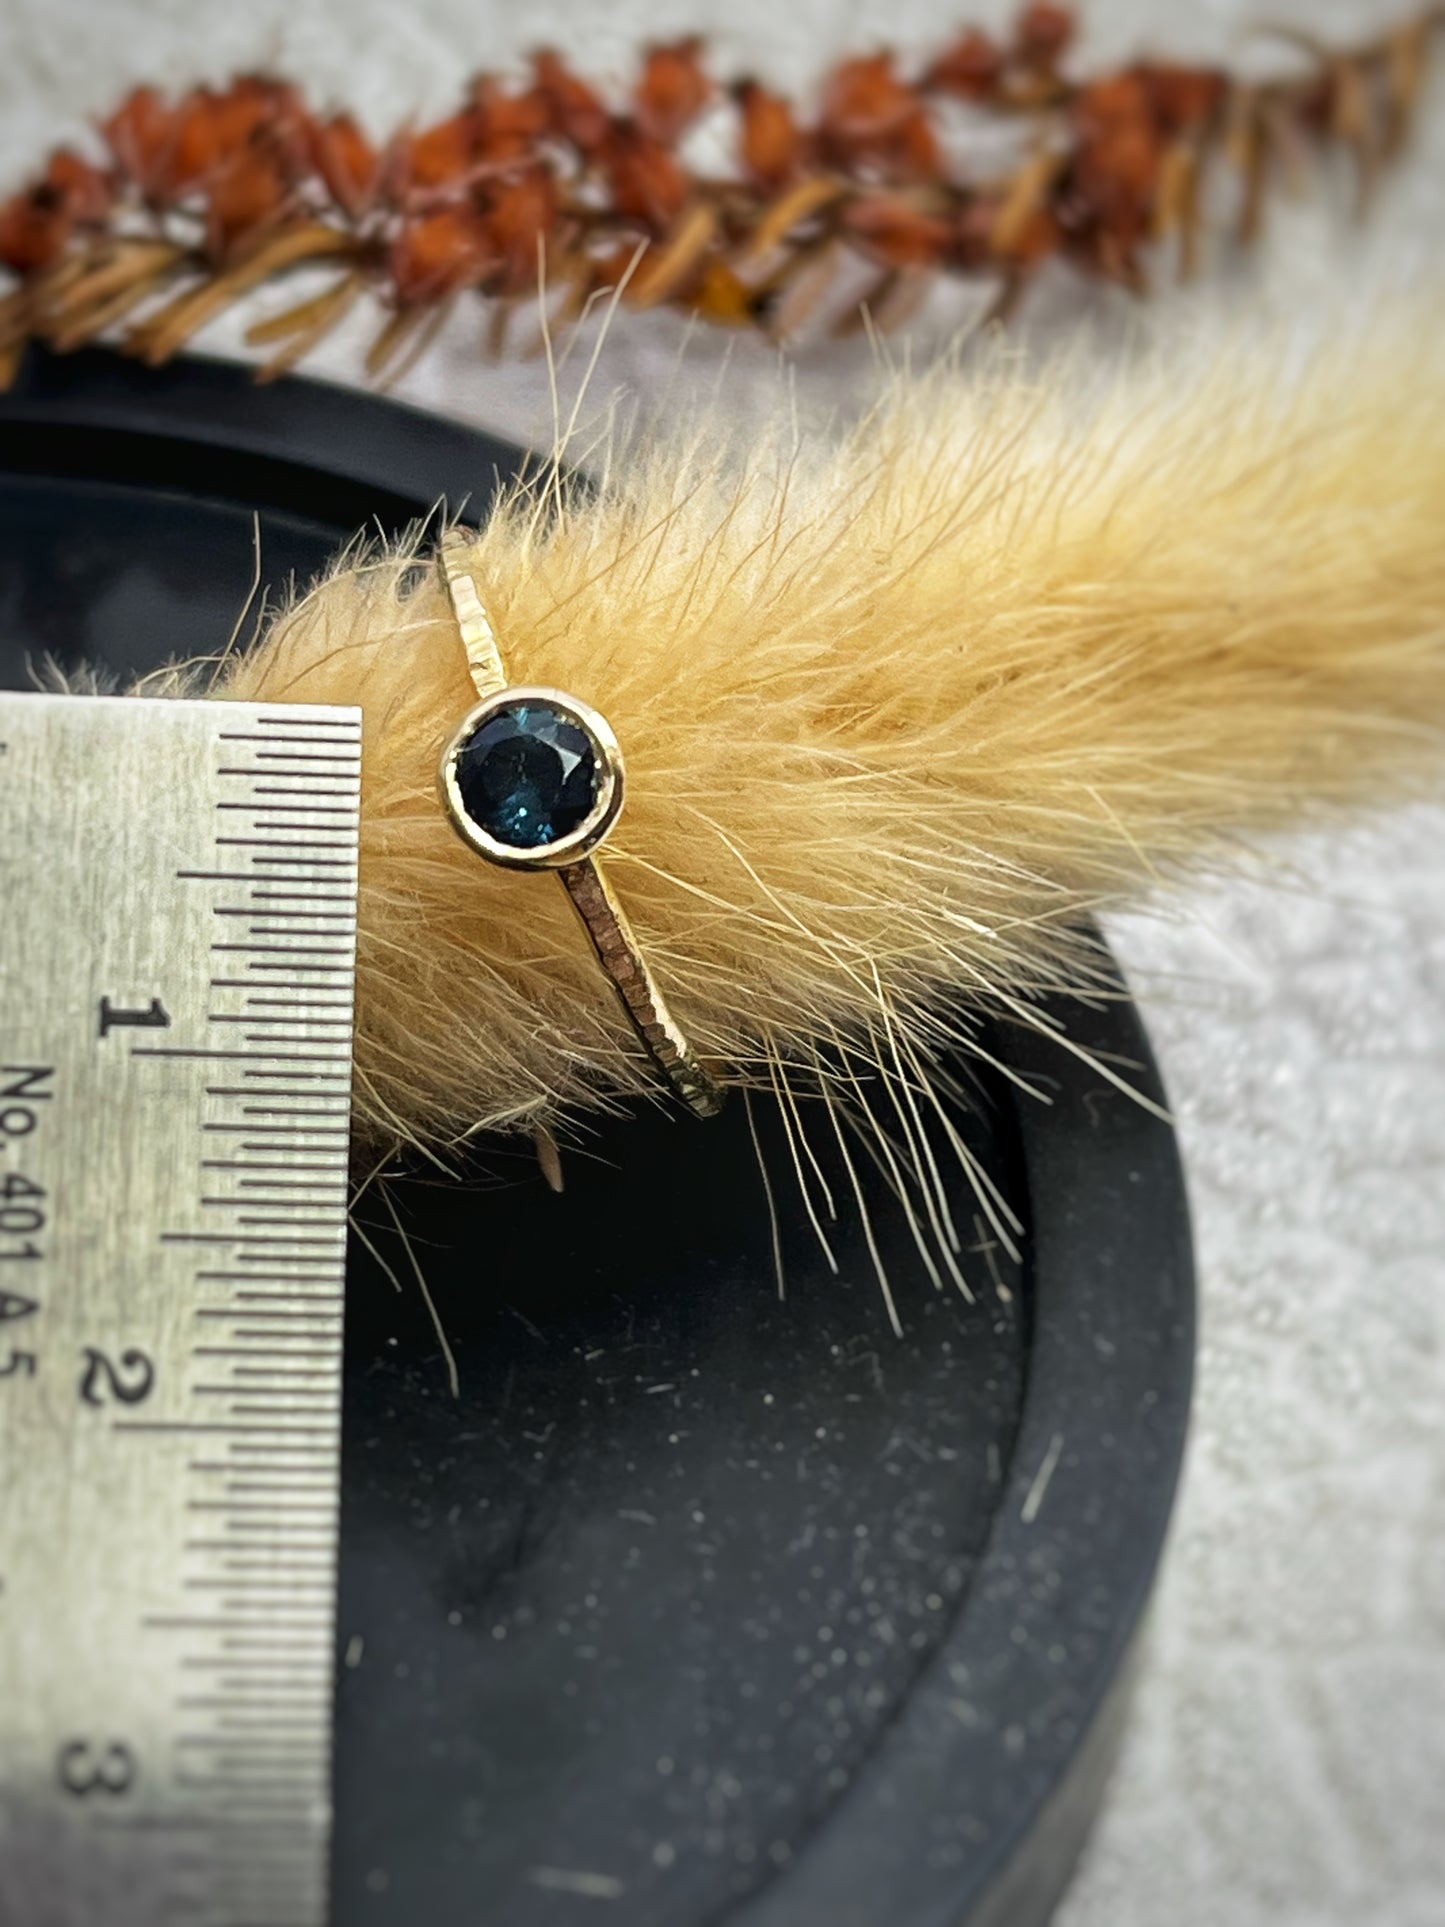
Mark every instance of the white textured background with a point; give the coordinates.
(1287, 1761)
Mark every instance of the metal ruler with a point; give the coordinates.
(177, 940)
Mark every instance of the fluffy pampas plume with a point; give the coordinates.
(899, 712)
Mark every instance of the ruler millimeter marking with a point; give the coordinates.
(177, 942)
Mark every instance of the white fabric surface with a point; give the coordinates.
(1287, 1761)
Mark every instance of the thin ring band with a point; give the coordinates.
(602, 916)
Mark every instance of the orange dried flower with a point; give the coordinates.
(140, 134)
(672, 91)
(246, 194)
(970, 68)
(84, 189)
(228, 188)
(33, 231)
(509, 125)
(648, 182)
(1043, 33)
(440, 156)
(871, 120)
(346, 161)
(575, 112)
(1117, 173)
(210, 129)
(437, 254)
(521, 215)
(771, 142)
(36, 225)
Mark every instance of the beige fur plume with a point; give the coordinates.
(898, 712)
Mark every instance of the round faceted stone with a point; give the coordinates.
(528, 775)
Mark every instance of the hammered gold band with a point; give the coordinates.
(519, 835)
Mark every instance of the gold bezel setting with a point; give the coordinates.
(610, 774)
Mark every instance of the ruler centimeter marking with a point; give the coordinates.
(177, 946)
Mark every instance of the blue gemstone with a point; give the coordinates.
(528, 775)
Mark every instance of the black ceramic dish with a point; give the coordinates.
(717, 1608)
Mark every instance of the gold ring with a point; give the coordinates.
(533, 780)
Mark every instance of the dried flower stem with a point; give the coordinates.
(202, 200)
